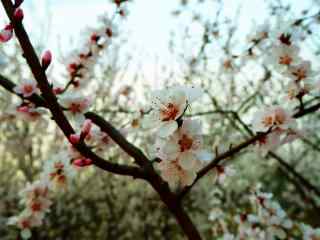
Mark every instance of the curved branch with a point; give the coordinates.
(116, 136)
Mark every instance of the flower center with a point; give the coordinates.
(300, 73)
(109, 32)
(36, 207)
(262, 140)
(227, 64)
(285, 60)
(75, 107)
(267, 121)
(185, 143)
(279, 119)
(28, 88)
(105, 139)
(170, 112)
(25, 224)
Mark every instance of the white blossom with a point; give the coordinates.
(167, 107)
(26, 88)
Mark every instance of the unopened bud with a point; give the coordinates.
(18, 15)
(86, 127)
(74, 138)
(46, 59)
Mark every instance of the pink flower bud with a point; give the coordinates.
(86, 127)
(87, 161)
(46, 59)
(17, 3)
(18, 14)
(23, 109)
(78, 162)
(82, 162)
(74, 138)
(8, 27)
(6, 33)
(57, 90)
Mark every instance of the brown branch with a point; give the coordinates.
(174, 205)
(304, 181)
(129, 148)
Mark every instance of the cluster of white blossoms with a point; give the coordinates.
(55, 177)
(266, 220)
(35, 198)
(80, 69)
(283, 55)
(81, 64)
(58, 173)
(179, 143)
(286, 59)
(278, 123)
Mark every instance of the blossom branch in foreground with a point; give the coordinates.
(149, 173)
(154, 179)
(49, 96)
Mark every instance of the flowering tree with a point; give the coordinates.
(180, 154)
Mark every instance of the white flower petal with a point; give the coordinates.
(188, 178)
(187, 160)
(26, 233)
(150, 120)
(169, 150)
(167, 128)
(204, 155)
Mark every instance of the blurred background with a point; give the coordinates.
(159, 43)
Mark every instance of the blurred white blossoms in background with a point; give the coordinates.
(167, 106)
(283, 56)
(29, 112)
(35, 198)
(59, 172)
(223, 172)
(310, 233)
(263, 219)
(271, 215)
(25, 222)
(26, 88)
